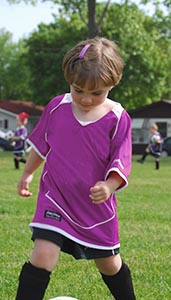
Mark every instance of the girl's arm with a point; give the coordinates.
(33, 162)
(102, 190)
(15, 138)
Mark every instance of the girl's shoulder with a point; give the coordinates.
(57, 101)
(115, 107)
(120, 114)
(112, 104)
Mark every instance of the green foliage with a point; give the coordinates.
(144, 42)
(144, 213)
(146, 62)
(46, 51)
(167, 3)
(14, 72)
(68, 4)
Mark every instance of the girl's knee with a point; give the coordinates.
(45, 254)
(109, 265)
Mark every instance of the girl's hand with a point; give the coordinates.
(33, 162)
(100, 192)
(23, 185)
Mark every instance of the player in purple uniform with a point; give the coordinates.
(19, 139)
(84, 139)
(154, 147)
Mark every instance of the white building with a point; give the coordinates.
(157, 112)
(9, 109)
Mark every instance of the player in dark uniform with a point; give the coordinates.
(19, 139)
(154, 147)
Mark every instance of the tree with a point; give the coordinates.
(90, 19)
(146, 59)
(157, 3)
(14, 72)
(144, 42)
(47, 47)
(85, 8)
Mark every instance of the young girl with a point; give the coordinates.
(19, 138)
(154, 147)
(84, 138)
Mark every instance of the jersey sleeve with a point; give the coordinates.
(38, 138)
(22, 133)
(121, 149)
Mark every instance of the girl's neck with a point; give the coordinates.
(94, 114)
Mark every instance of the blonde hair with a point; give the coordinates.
(154, 126)
(101, 63)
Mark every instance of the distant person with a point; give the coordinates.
(154, 147)
(84, 139)
(19, 139)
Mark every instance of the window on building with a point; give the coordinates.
(162, 126)
(140, 136)
(6, 124)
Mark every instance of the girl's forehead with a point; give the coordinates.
(88, 88)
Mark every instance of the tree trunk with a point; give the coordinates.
(92, 28)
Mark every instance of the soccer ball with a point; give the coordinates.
(155, 138)
(9, 135)
(63, 298)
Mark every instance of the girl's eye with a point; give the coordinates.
(78, 91)
(97, 93)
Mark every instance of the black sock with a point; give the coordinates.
(32, 283)
(157, 164)
(16, 163)
(144, 156)
(120, 284)
(23, 160)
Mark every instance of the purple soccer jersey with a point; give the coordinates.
(155, 144)
(19, 147)
(77, 155)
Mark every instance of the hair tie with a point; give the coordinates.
(83, 51)
(23, 116)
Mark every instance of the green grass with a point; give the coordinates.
(144, 212)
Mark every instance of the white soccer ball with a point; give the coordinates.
(155, 138)
(9, 135)
(63, 298)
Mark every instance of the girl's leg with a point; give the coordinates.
(116, 276)
(16, 163)
(35, 275)
(157, 163)
(23, 160)
(142, 159)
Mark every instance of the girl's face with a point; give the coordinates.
(153, 130)
(19, 122)
(87, 99)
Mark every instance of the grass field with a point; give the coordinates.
(144, 211)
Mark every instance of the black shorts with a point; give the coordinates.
(155, 154)
(19, 154)
(68, 246)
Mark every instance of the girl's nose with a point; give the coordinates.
(86, 100)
